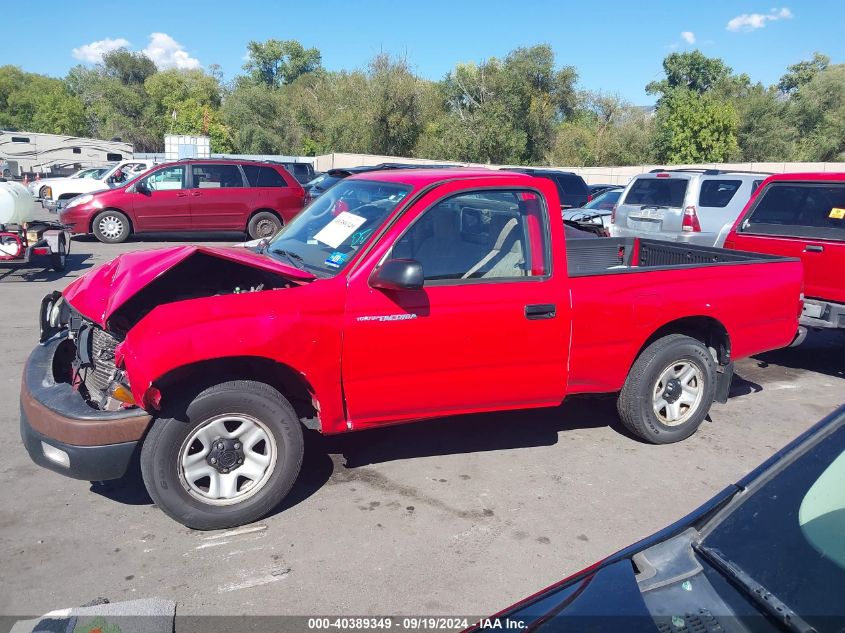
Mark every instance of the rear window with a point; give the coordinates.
(718, 193)
(571, 184)
(659, 192)
(260, 176)
(815, 210)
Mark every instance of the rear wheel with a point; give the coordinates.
(669, 390)
(229, 458)
(111, 227)
(58, 260)
(263, 224)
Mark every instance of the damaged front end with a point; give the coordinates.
(79, 414)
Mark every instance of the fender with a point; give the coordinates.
(268, 325)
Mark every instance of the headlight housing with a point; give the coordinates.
(84, 199)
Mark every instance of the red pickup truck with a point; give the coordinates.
(395, 296)
(803, 216)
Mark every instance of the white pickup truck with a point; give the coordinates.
(63, 189)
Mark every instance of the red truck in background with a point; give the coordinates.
(802, 216)
(395, 296)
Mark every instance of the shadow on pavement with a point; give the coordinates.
(39, 270)
(821, 353)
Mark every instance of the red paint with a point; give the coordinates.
(454, 348)
(822, 270)
(191, 208)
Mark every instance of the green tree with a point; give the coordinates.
(817, 110)
(128, 67)
(695, 128)
(802, 73)
(764, 132)
(691, 70)
(279, 62)
(38, 104)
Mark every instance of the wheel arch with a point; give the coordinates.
(710, 331)
(185, 382)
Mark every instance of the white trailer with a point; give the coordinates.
(56, 154)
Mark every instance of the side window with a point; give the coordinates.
(479, 235)
(717, 193)
(166, 179)
(217, 176)
(114, 157)
(260, 176)
(573, 185)
(801, 210)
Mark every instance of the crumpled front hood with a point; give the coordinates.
(100, 292)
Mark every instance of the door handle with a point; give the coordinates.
(196, 193)
(812, 248)
(537, 311)
(181, 194)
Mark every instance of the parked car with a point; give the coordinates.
(764, 554)
(694, 206)
(802, 216)
(191, 195)
(63, 189)
(321, 183)
(383, 302)
(37, 186)
(303, 172)
(596, 190)
(572, 191)
(596, 211)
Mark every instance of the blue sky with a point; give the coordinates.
(617, 47)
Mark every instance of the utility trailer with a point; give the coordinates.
(22, 239)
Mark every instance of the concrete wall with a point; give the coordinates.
(593, 175)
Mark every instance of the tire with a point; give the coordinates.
(676, 371)
(42, 191)
(263, 224)
(58, 260)
(178, 452)
(111, 227)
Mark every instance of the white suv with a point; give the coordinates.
(696, 206)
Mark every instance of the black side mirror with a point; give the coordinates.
(398, 274)
(141, 187)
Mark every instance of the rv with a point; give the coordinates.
(55, 154)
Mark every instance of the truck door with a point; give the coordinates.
(804, 220)
(488, 330)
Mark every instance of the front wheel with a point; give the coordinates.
(669, 390)
(228, 459)
(111, 227)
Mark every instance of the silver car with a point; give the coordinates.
(695, 206)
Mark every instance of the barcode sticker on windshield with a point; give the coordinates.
(336, 231)
(837, 213)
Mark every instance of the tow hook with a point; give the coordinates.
(800, 335)
(225, 455)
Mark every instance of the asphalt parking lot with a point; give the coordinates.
(459, 516)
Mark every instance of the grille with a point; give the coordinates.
(97, 379)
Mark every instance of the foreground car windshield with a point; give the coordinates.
(789, 534)
(327, 234)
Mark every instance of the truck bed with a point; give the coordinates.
(617, 255)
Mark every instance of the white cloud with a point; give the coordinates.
(753, 21)
(94, 51)
(168, 53)
(688, 37)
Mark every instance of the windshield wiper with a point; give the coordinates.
(295, 260)
(753, 590)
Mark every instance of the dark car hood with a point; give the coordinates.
(607, 599)
(100, 292)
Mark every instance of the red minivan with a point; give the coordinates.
(803, 216)
(191, 195)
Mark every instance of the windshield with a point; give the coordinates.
(323, 181)
(604, 201)
(789, 534)
(325, 236)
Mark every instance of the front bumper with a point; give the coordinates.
(63, 433)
